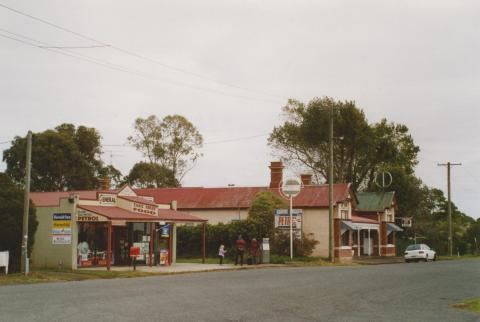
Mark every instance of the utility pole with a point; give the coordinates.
(450, 238)
(26, 205)
(331, 254)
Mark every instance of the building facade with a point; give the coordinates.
(97, 228)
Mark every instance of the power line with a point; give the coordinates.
(206, 143)
(139, 56)
(121, 68)
(238, 139)
(75, 47)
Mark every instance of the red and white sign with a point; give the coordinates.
(144, 209)
(107, 199)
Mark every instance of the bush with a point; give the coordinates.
(259, 224)
(11, 222)
(280, 244)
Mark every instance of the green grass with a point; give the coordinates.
(468, 256)
(471, 305)
(196, 260)
(46, 276)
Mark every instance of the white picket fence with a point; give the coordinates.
(4, 261)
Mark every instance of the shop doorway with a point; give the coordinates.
(121, 246)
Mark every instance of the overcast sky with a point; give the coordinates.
(412, 62)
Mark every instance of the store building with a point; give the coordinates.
(223, 205)
(97, 228)
(378, 237)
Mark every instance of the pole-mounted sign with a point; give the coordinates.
(291, 188)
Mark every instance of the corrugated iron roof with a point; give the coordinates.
(52, 199)
(358, 219)
(240, 197)
(117, 213)
(138, 199)
(374, 201)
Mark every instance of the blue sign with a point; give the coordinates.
(165, 231)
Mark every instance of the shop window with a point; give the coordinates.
(92, 244)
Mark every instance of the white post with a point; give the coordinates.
(358, 242)
(291, 227)
(369, 244)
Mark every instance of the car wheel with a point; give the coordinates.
(435, 257)
(407, 261)
(426, 258)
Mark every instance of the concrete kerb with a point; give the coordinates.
(181, 268)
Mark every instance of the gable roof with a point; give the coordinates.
(241, 197)
(375, 201)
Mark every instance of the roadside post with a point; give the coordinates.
(291, 188)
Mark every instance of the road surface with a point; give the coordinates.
(395, 292)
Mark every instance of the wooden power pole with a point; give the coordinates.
(26, 205)
(450, 231)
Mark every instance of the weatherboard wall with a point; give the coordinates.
(44, 252)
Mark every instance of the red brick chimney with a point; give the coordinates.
(276, 174)
(105, 183)
(306, 179)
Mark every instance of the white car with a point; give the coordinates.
(419, 252)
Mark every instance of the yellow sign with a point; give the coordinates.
(61, 224)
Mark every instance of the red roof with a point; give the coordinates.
(52, 199)
(240, 197)
(116, 213)
(138, 199)
(363, 220)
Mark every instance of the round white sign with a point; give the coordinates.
(291, 187)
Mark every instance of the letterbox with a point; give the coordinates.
(134, 251)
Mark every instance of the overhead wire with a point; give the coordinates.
(205, 143)
(121, 68)
(137, 55)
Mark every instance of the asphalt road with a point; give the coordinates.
(395, 292)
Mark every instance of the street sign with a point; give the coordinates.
(291, 187)
(383, 179)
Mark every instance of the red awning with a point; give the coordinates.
(116, 213)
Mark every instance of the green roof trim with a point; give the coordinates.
(374, 201)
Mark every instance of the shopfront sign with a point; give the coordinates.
(144, 209)
(107, 199)
(282, 220)
(165, 231)
(61, 229)
(61, 239)
(87, 216)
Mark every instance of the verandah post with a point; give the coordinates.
(109, 244)
(203, 242)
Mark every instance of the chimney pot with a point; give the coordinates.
(105, 183)
(173, 205)
(306, 179)
(276, 174)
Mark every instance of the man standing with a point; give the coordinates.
(254, 251)
(240, 247)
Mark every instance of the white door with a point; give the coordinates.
(367, 244)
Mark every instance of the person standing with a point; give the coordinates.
(240, 247)
(254, 251)
(221, 253)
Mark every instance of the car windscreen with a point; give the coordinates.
(413, 247)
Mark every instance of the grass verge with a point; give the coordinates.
(46, 276)
(471, 305)
(448, 258)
